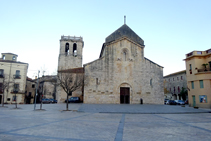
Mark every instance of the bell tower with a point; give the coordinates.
(71, 52)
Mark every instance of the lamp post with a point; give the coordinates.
(36, 91)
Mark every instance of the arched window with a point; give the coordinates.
(150, 82)
(67, 48)
(74, 48)
(125, 54)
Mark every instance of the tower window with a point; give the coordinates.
(67, 48)
(3, 57)
(75, 49)
(13, 58)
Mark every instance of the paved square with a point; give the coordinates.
(95, 122)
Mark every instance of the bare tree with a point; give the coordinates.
(4, 86)
(70, 82)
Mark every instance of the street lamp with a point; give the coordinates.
(36, 91)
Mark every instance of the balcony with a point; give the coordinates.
(17, 91)
(16, 76)
(204, 70)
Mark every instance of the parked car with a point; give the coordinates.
(180, 102)
(53, 100)
(171, 102)
(165, 100)
(73, 100)
(186, 101)
(45, 100)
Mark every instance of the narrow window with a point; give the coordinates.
(13, 58)
(67, 48)
(125, 54)
(177, 78)
(3, 57)
(33, 85)
(174, 90)
(201, 83)
(75, 49)
(181, 77)
(192, 84)
(190, 67)
(96, 81)
(150, 82)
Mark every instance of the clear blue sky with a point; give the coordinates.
(169, 28)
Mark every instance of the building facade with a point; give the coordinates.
(198, 70)
(121, 74)
(47, 86)
(14, 73)
(173, 85)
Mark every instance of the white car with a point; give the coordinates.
(180, 102)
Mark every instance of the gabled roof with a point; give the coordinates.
(124, 30)
(176, 73)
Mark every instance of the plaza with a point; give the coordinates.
(104, 122)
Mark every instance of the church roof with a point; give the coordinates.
(124, 30)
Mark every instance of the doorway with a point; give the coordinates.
(194, 101)
(124, 95)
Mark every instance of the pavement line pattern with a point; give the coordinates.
(42, 124)
(49, 137)
(185, 123)
(120, 129)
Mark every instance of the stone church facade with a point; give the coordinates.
(121, 75)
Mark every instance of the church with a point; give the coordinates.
(121, 74)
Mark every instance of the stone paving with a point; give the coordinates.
(96, 122)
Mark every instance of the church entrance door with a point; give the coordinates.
(124, 95)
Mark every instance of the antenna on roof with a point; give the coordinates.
(124, 19)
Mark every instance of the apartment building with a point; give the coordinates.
(13, 76)
(173, 85)
(198, 70)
